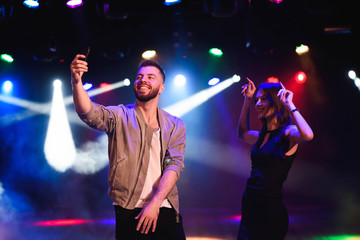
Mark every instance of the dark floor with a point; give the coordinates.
(312, 223)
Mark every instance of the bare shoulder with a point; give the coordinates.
(291, 130)
(250, 136)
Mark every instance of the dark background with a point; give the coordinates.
(44, 41)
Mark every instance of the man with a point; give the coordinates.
(146, 154)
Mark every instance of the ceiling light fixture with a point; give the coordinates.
(74, 3)
(31, 3)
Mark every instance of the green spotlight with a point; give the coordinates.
(216, 52)
(302, 49)
(7, 58)
(339, 237)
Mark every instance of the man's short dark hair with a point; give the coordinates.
(153, 63)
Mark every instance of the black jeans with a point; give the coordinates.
(169, 225)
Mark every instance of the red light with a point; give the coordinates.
(300, 77)
(236, 217)
(273, 80)
(62, 222)
(105, 85)
(276, 1)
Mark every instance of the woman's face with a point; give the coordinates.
(263, 106)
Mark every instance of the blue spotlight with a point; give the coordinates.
(7, 87)
(171, 2)
(180, 80)
(213, 81)
(31, 3)
(87, 86)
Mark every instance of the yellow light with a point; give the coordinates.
(149, 54)
(302, 49)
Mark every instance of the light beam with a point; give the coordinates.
(188, 104)
(59, 146)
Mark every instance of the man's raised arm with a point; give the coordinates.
(81, 98)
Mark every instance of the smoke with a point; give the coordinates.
(92, 157)
(12, 205)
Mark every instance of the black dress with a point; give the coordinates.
(264, 215)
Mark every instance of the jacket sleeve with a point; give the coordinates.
(100, 118)
(174, 156)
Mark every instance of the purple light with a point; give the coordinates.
(74, 3)
(110, 221)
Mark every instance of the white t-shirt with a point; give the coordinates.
(153, 174)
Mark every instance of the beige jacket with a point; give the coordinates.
(129, 139)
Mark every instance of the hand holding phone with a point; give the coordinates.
(86, 52)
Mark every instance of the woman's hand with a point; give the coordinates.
(248, 89)
(286, 96)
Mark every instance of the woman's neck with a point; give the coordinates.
(272, 123)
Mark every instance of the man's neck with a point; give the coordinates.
(149, 111)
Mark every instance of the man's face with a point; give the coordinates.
(148, 84)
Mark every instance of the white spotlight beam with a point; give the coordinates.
(41, 108)
(8, 119)
(180, 108)
(59, 146)
(44, 108)
(97, 91)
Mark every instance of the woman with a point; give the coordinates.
(264, 215)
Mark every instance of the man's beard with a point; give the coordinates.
(145, 98)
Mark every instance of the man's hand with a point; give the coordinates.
(148, 217)
(78, 67)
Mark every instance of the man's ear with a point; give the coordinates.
(162, 87)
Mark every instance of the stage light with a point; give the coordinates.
(179, 80)
(236, 78)
(213, 81)
(216, 52)
(127, 82)
(1, 190)
(276, 1)
(104, 85)
(62, 222)
(236, 218)
(186, 105)
(31, 3)
(337, 30)
(74, 3)
(6, 58)
(357, 82)
(204, 238)
(7, 87)
(300, 77)
(59, 147)
(339, 237)
(273, 80)
(33, 108)
(171, 2)
(352, 74)
(87, 86)
(302, 49)
(149, 54)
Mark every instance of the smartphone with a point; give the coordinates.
(85, 51)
